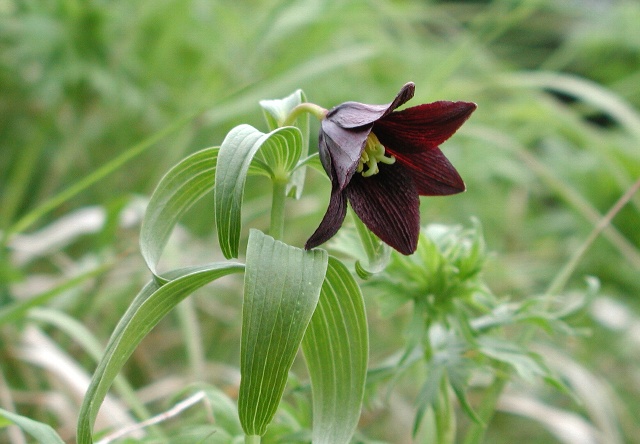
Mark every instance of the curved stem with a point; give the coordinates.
(311, 108)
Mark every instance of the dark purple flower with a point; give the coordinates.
(381, 160)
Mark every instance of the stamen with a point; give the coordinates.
(373, 153)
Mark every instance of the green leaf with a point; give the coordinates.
(314, 162)
(147, 309)
(43, 433)
(428, 397)
(180, 188)
(224, 411)
(281, 151)
(336, 349)
(281, 289)
(461, 394)
(526, 364)
(378, 253)
(236, 154)
(276, 112)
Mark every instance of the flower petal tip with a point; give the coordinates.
(407, 250)
(408, 88)
(472, 105)
(466, 108)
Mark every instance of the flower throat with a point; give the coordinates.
(373, 153)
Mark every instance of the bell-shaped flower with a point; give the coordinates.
(380, 160)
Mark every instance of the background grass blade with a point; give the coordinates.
(586, 90)
(43, 433)
(282, 286)
(180, 188)
(18, 309)
(34, 215)
(336, 349)
(146, 310)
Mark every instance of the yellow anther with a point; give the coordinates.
(373, 153)
(372, 168)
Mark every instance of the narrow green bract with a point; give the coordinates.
(281, 290)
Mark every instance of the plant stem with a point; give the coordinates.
(252, 439)
(277, 208)
(311, 108)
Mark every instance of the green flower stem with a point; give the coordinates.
(311, 108)
(277, 208)
(252, 439)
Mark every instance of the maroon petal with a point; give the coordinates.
(332, 220)
(424, 126)
(356, 114)
(432, 172)
(389, 206)
(340, 150)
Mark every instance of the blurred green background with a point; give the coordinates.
(554, 144)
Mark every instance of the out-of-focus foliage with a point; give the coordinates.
(553, 145)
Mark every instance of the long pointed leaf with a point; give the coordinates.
(282, 286)
(147, 309)
(336, 349)
(180, 188)
(236, 154)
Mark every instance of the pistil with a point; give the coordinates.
(373, 153)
